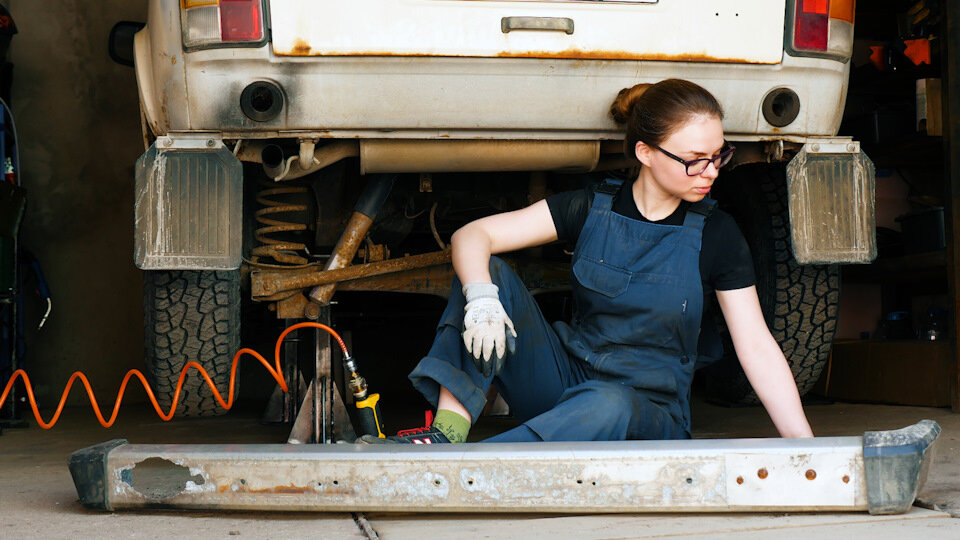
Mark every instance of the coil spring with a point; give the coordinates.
(281, 250)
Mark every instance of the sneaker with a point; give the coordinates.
(421, 435)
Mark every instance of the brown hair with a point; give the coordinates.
(651, 112)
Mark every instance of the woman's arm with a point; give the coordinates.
(763, 361)
(474, 242)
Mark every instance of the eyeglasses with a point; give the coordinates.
(697, 166)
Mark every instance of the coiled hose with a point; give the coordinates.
(275, 372)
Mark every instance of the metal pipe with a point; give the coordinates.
(372, 198)
(477, 155)
(267, 283)
(325, 156)
(271, 156)
(282, 168)
(307, 149)
(382, 156)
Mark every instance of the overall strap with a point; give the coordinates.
(603, 196)
(698, 212)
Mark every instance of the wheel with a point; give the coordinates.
(799, 302)
(191, 315)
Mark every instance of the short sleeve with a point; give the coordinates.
(726, 260)
(569, 211)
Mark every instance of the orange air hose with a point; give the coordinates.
(274, 371)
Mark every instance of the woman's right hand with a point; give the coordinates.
(488, 333)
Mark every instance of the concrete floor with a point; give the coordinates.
(38, 500)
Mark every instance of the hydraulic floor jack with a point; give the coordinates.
(880, 471)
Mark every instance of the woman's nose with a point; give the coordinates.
(711, 171)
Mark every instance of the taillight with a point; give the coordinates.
(823, 28)
(216, 22)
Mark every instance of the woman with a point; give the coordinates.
(646, 250)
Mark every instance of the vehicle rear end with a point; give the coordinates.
(468, 97)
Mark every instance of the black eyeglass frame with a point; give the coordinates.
(719, 160)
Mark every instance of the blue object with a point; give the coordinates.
(622, 369)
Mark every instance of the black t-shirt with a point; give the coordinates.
(725, 261)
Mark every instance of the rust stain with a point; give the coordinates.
(740, 480)
(173, 60)
(301, 49)
(284, 490)
(811, 474)
(577, 54)
(762, 473)
(846, 479)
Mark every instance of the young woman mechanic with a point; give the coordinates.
(647, 251)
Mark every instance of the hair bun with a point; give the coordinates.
(625, 100)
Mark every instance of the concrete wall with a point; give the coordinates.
(79, 133)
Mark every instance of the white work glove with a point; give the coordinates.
(488, 332)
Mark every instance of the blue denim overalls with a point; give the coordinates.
(622, 369)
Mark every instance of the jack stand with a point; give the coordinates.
(880, 472)
(321, 416)
(282, 407)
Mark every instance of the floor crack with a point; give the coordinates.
(365, 526)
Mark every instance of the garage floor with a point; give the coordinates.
(38, 500)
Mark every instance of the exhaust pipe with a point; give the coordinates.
(272, 158)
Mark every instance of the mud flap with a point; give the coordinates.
(831, 189)
(188, 206)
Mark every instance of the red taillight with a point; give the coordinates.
(812, 25)
(240, 20)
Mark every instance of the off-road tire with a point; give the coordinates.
(799, 302)
(191, 315)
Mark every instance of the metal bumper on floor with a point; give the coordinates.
(880, 472)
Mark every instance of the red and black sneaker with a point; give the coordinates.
(420, 435)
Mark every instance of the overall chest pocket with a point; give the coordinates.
(602, 278)
(633, 308)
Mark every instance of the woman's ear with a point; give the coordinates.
(642, 151)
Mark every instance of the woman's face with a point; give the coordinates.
(699, 137)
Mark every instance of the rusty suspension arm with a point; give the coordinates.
(372, 198)
(271, 285)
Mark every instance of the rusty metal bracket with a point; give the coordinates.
(271, 284)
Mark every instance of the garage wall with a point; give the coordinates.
(79, 133)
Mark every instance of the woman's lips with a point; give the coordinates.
(702, 190)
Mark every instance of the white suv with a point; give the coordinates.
(466, 98)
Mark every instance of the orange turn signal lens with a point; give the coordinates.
(842, 10)
(187, 4)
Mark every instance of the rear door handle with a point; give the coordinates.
(549, 24)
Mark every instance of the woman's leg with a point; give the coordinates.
(447, 402)
(598, 411)
(533, 378)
